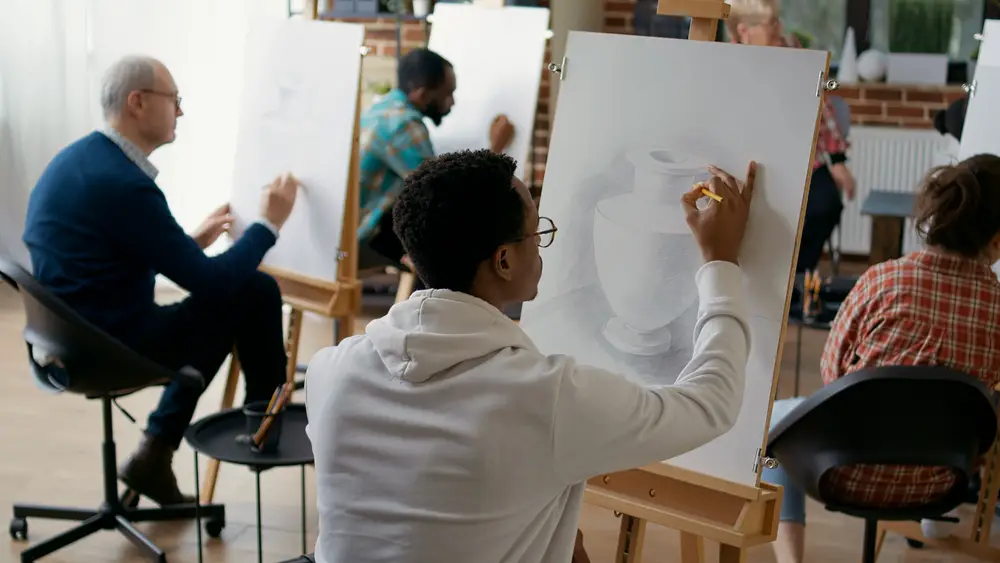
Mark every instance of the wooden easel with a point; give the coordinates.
(699, 506)
(339, 300)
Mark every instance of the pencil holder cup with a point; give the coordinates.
(256, 416)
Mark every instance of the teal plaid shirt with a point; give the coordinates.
(394, 141)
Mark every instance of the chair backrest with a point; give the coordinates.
(896, 415)
(79, 357)
(842, 113)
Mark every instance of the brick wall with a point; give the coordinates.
(871, 104)
(380, 36)
(895, 105)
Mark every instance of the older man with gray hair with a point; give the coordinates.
(98, 230)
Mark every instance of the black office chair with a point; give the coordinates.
(82, 359)
(899, 415)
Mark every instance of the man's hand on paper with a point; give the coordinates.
(213, 226)
(278, 199)
(501, 133)
(719, 227)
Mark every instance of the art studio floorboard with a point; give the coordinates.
(60, 437)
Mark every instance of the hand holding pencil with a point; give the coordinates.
(719, 228)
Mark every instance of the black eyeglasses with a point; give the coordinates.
(545, 234)
(174, 97)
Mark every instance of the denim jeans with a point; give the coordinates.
(793, 505)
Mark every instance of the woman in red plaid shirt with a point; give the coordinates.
(938, 306)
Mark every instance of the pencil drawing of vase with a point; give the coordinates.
(645, 253)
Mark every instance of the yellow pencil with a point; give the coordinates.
(711, 194)
(707, 192)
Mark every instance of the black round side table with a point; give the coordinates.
(217, 436)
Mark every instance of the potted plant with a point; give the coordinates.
(804, 38)
(919, 34)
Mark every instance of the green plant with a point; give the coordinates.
(920, 26)
(805, 39)
(396, 6)
(379, 88)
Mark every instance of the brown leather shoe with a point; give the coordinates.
(148, 472)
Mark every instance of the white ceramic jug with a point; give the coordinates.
(645, 253)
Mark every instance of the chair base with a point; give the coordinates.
(115, 513)
(118, 517)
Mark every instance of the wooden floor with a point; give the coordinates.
(51, 455)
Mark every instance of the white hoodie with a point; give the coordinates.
(443, 435)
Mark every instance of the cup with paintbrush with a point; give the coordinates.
(811, 305)
(263, 420)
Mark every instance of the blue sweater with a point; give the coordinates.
(98, 230)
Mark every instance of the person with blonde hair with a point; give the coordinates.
(757, 22)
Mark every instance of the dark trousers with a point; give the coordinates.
(823, 209)
(384, 248)
(201, 334)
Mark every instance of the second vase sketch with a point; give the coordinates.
(643, 247)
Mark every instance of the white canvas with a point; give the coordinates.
(297, 115)
(617, 288)
(201, 42)
(498, 55)
(981, 133)
(989, 49)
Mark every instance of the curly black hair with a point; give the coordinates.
(454, 212)
(421, 68)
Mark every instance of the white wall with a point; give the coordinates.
(52, 56)
(43, 99)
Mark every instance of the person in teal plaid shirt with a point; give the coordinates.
(395, 141)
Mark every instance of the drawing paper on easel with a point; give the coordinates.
(297, 115)
(498, 55)
(618, 288)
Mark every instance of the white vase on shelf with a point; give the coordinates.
(847, 73)
(421, 8)
(645, 253)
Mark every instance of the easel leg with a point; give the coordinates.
(228, 396)
(405, 287)
(630, 539)
(345, 328)
(732, 554)
(879, 539)
(986, 507)
(692, 548)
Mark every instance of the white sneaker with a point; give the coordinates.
(936, 529)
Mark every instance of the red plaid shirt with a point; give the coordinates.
(830, 140)
(922, 309)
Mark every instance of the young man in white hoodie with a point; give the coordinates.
(443, 434)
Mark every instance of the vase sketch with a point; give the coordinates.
(645, 253)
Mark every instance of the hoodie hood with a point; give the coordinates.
(436, 329)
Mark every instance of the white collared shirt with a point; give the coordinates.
(133, 152)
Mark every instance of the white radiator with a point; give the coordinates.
(888, 159)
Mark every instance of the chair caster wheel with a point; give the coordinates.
(18, 529)
(214, 528)
(915, 544)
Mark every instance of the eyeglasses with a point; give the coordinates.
(174, 97)
(545, 234)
